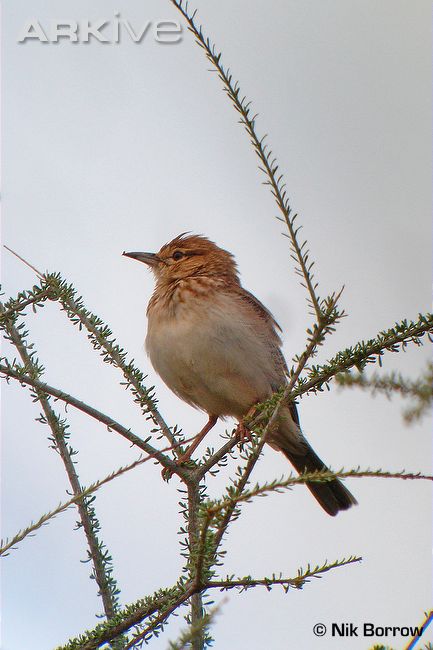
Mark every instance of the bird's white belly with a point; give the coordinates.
(210, 360)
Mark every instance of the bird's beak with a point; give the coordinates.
(148, 258)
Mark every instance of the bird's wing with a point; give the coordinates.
(259, 308)
(275, 340)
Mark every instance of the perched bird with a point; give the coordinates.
(217, 347)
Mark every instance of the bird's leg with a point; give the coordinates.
(242, 432)
(197, 440)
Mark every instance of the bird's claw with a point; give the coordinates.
(243, 434)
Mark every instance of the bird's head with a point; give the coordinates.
(189, 256)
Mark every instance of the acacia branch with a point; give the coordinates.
(7, 544)
(168, 600)
(296, 583)
(223, 510)
(421, 389)
(55, 288)
(329, 316)
(131, 615)
(102, 338)
(25, 298)
(197, 612)
(242, 482)
(323, 476)
(268, 164)
(161, 618)
(102, 569)
(111, 424)
(362, 353)
(185, 639)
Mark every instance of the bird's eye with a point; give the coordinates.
(177, 255)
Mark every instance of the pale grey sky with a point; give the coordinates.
(112, 147)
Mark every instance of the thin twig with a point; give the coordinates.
(24, 260)
(298, 582)
(323, 476)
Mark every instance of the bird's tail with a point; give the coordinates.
(332, 495)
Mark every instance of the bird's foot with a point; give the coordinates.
(243, 434)
(186, 457)
(167, 473)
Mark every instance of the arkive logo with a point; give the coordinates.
(101, 30)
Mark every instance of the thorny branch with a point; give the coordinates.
(268, 164)
(7, 545)
(164, 601)
(102, 571)
(11, 372)
(420, 389)
(112, 353)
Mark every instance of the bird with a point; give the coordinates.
(218, 348)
